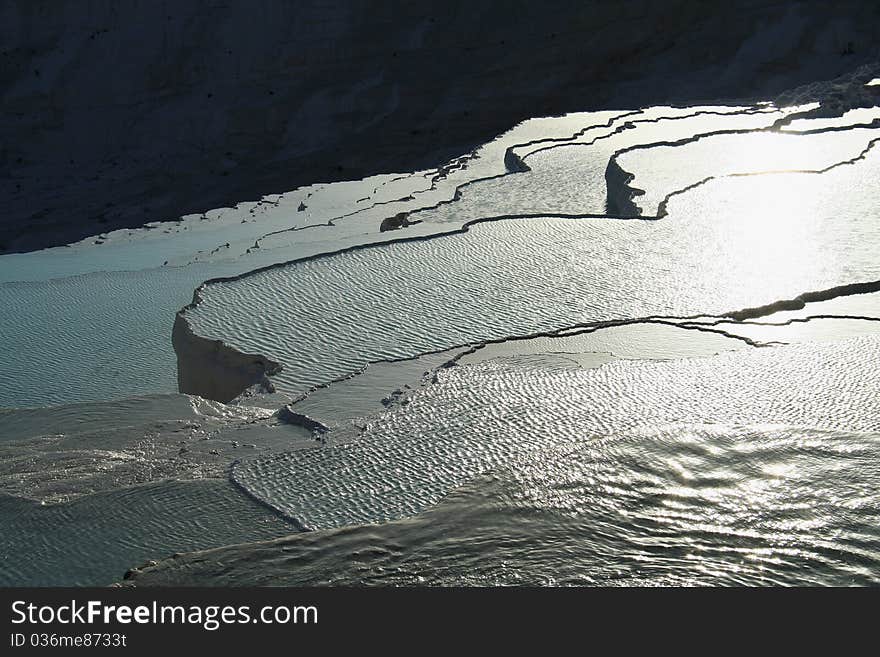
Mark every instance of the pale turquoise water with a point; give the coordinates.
(636, 462)
(92, 322)
(94, 540)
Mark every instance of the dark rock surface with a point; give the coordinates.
(118, 114)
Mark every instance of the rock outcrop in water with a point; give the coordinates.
(214, 370)
(400, 220)
(288, 416)
(620, 194)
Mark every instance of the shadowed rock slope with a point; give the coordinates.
(115, 114)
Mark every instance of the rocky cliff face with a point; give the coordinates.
(117, 113)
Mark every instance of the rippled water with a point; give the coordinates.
(681, 505)
(90, 490)
(730, 244)
(477, 417)
(658, 170)
(93, 540)
(571, 177)
(128, 288)
(56, 455)
(640, 453)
